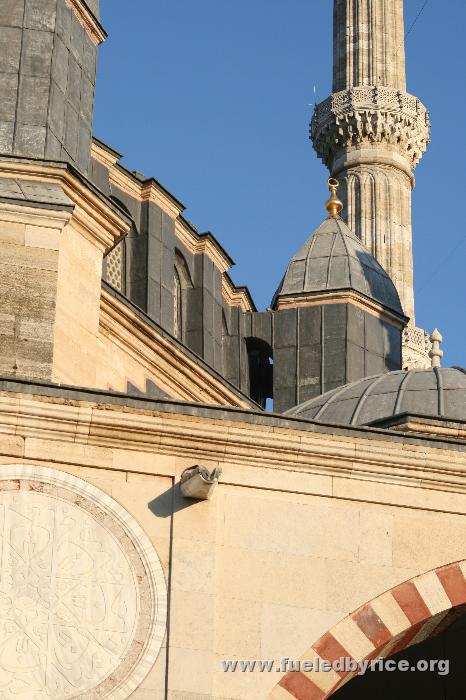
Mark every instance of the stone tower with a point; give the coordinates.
(47, 78)
(371, 134)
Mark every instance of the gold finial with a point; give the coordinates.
(333, 205)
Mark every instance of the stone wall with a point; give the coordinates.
(29, 240)
(304, 527)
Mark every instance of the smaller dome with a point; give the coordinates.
(334, 259)
(434, 392)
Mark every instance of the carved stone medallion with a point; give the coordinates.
(82, 592)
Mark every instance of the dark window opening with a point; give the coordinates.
(260, 372)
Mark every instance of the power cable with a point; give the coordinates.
(416, 19)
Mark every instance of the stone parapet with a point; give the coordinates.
(370, 115)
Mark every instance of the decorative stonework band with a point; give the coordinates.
(370, 114)
(416, 348)
(408, 614)
(82, 591)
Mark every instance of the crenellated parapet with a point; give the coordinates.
(370, 115)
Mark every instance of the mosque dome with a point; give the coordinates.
(333, 259)
(434, 392)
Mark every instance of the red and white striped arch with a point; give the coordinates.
(408, 614)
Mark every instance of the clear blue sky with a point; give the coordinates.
(212, 97)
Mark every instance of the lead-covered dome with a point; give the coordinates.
(436, 393)
(334, 259)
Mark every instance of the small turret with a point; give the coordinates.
(338, 316)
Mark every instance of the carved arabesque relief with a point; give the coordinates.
(82, 593)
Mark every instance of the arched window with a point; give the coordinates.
(178, 307)
(260, 358)
(182, 283)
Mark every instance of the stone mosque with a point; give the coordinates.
(159, 526)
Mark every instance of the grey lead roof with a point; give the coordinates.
(332, 259)
(436, 392)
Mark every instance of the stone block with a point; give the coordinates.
(285, 399)
(33, 100)
(191, 671)
(374, 335)
(87, 99)
(76, 39)
(71, 131)
(40, 14)
(12, 13)
(262, 326)
(41, 237)
(355, 361)
(166, 309)
(285, 328)
(84, 145)
(192, 620)
(73, 93)
(288, 630)
(63, 21)
(334, 363)
(60, 59)
(30, 140)
(12, 232)
(285, 364)
(355, 325)
(10, 49)
(9, 92)
(237, 628)
(334, 321)
(6, 136)
(89, 58)
(374, 364)
(310, 325)
(36, 53)
(167, 268)
(56, 116)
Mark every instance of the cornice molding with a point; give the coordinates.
(103, 154)
(236, 296)
(143, 191)
(91, 24)
(172, 369)
(344, 296)
(301, 454)
(202, 244)
(96, 219)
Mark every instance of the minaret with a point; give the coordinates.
(371, 133)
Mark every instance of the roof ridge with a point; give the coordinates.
(402, 388)
(441, 396)
(363, 397)
(344, 236)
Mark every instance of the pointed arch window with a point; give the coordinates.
(182, 283)
(178, 306)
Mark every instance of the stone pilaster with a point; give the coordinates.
(371, 133)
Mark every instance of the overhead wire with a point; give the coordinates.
(413, 24)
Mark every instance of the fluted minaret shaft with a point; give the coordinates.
(371, 133)
(368, 44)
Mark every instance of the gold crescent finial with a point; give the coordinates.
(333, 205)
